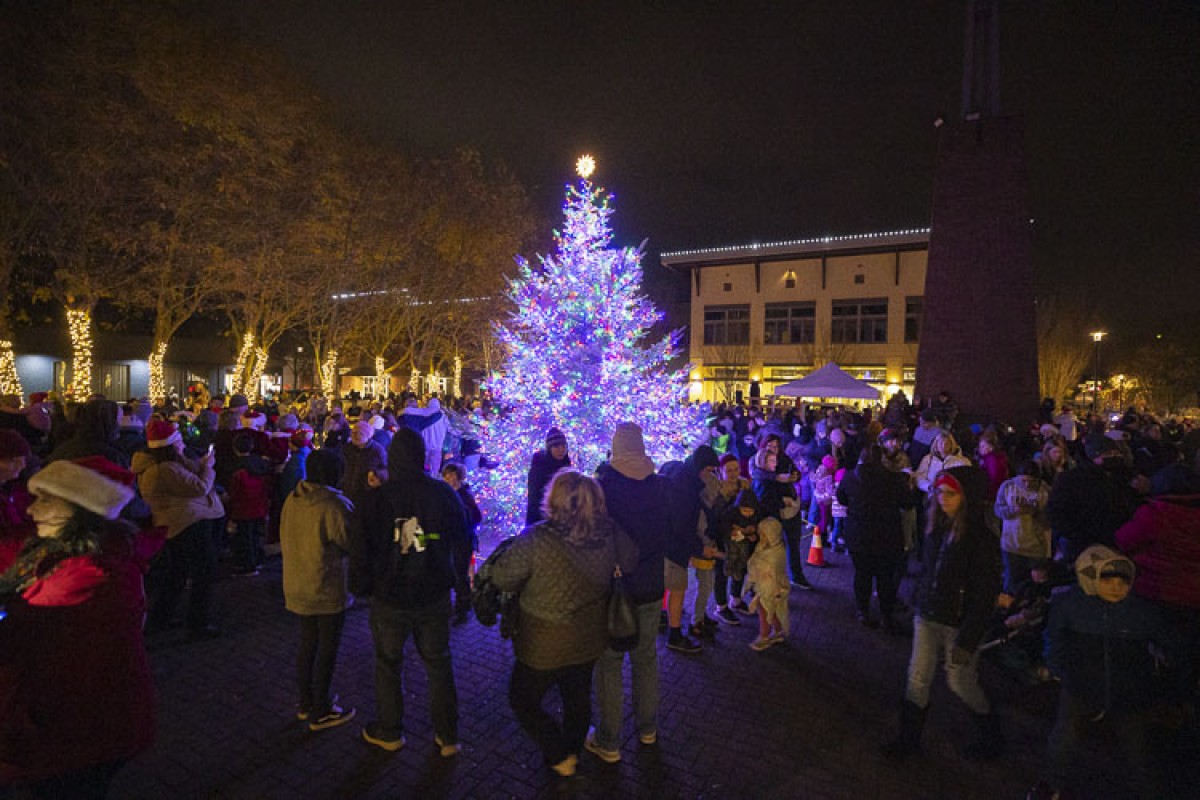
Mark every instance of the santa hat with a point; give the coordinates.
(160, 433)
(302, 436)
(37, 397)
(93, 483)
(377, 422)
(253, 419)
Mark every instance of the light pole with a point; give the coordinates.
(1097, 337)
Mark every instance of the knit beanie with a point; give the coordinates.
(160, 433)
(555, 437)
(629, 452)
(287, 422)
(93, 483)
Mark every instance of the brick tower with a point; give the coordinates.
(978, 336)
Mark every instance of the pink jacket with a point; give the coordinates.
(1163, 539)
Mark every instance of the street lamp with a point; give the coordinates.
(1097, 337)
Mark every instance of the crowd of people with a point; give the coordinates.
(1068, 551)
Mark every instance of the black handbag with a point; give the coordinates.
(622, 615)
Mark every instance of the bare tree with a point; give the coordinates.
(1064, 348)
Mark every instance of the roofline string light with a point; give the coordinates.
(798, 242)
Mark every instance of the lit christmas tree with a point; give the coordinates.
(577, 359)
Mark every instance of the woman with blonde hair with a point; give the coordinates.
(943, 454)
(563, 568)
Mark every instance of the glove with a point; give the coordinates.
(960, 657)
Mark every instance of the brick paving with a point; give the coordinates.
(800, 720)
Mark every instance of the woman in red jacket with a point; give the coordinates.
(1163, 540)
(76, 698)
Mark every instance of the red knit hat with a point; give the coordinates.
(160, 433)
(947, 480)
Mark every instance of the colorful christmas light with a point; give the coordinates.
(579, 360)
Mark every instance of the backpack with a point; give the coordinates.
(490, 604)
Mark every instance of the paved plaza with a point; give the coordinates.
(801, 720)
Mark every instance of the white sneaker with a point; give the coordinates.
(447, 750)
(648, 738)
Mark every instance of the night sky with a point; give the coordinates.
(738, 122)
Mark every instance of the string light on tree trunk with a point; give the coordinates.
(458, 376)
(158, 384)
(79, 325)
(260, 366)
(381, 377)
(414, 382)
(240, 381)
(329, 373)
(10, 381)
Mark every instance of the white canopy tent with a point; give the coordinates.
(829, 381)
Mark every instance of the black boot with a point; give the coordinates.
(908, 738)
(989, 741)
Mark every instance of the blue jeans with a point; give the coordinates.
(932, 640)
(610, 693)
(430, 628)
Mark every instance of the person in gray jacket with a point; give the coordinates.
(563, 569)
(313, 533)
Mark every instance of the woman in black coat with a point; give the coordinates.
(543, 466)
(873, 496)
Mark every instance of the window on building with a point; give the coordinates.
(725, 325)
(859, 321)
(790, 323)
(914, 308)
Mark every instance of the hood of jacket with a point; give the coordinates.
(407, 451)
(1095, 561)
(310, 493)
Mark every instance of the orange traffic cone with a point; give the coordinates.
(816, 551)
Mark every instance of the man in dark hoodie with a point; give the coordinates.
(687, 520)
(545, 463)
(403, 539)
(636, 500)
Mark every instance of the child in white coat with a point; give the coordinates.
(767, 572)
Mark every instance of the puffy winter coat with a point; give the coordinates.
(1163, 539)
(179, 493)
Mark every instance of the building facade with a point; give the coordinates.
(763, 315)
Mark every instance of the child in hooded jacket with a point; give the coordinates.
(1024, 529)
(249, 504)
(1106, 645)
(767, 571)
